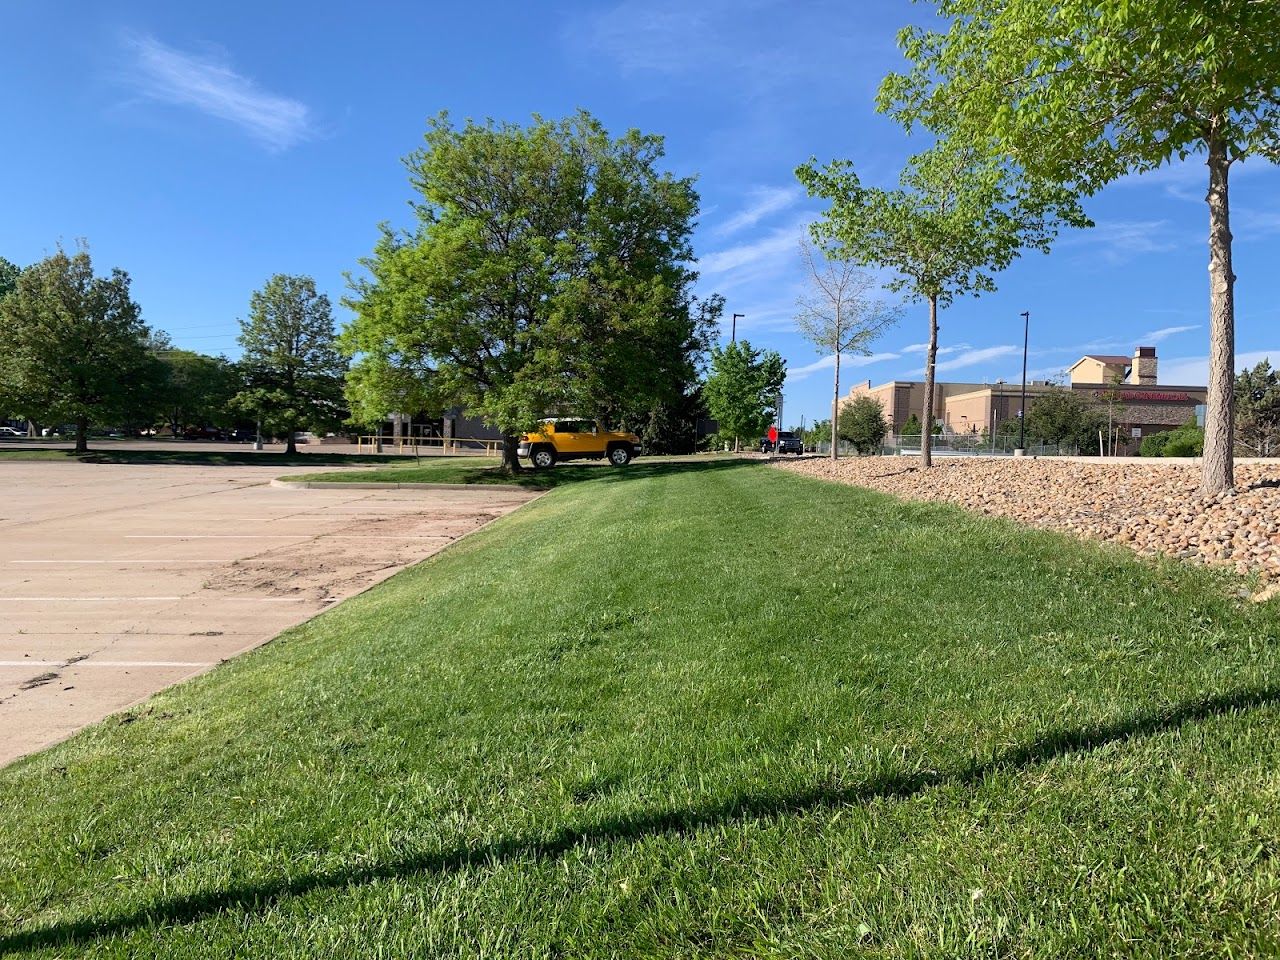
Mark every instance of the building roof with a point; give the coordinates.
(1108, 358)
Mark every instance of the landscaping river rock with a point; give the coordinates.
(1147, 505)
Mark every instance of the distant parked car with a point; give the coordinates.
(202, 433)
(788, 442)
(11, 432)
(240, 436)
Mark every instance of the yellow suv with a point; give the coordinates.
(573, 439)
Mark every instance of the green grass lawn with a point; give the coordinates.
(711, 709)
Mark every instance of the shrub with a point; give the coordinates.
(1153, 444)
(1186, 441)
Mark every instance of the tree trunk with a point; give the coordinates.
(33, 430)
(290, 444)
(926, 427)
(510, 461)
(835, 410)
(82, 435)
(1218, 467)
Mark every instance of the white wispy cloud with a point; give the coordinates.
(942, 351)
(1121, 240)
(1194, 371)
(1164, 333)
(970, 358)
(1186, 179)
(828, 362)
(771, 249)
(765, 201)
(208, 84)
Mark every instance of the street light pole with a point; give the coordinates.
(733, 329)
(1022, 414)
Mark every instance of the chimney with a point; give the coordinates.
(1143, 370)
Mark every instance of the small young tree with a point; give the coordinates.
(74, 344)
(912, 427)
(862, 424)
(958, 218)
(1257, 393)
(291, 365)
(742, 389)
(839, 313)
(1081, 94)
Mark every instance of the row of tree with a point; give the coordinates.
(1033, 107)
(549, 269)
(77, 352)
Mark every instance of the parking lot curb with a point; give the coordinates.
(339, 485)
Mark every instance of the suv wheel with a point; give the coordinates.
(620, 455)
(543, 457)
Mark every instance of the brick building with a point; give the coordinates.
(1127, 387)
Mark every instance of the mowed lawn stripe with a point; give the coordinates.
(691, 708)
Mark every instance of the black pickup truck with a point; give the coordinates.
(788, 442)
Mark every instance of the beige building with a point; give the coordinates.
(901, 398)
(1125, 387)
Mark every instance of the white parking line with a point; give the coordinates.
(206, 562)
(189, 596)
(108, 663)
(278, 536)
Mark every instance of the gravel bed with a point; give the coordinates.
(1146, 505)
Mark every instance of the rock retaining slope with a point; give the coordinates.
(1147, 505)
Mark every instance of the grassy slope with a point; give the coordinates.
(627, 721)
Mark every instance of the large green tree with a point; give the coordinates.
(742, 389)
(291, 366)
(74, 345)
(197, 389)
(1257, 393)
(548, 271)
(8, 277)
(958, 217)
(1085, 91)
(840, 313)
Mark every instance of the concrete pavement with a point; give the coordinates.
(117, 581)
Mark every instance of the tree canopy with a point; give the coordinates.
(1257, 400)
(958, 217)
(840, 313)
(742, 389)
(548, 271)
(1080, 93)
(862, 424)
(291, 366)
(74, 344)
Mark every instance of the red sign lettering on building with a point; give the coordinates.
(1148, 395)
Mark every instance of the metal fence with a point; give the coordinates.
(958, 445)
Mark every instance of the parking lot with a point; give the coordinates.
(116, 581)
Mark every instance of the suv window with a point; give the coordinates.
(786, 435)
(575, 426)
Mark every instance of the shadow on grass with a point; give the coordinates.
(257, 897)
(564, 474)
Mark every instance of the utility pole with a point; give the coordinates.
(733, 329)
(1022, 414)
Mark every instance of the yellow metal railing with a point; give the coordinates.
(446, 445)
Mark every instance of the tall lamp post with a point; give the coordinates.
(1022, 414)
(733, 329)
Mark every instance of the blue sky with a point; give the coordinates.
(205, 147)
